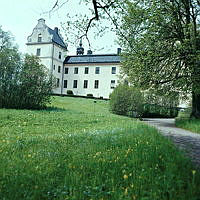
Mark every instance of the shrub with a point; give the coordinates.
(126, 100)
(70, 92)
(23, 83)
(89, 95)
(157, 105)
(35, 84)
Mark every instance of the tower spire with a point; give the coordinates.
(80, 49)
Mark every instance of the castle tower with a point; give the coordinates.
(48, 45)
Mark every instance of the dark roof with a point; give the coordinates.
(83, 59)
(56, 38)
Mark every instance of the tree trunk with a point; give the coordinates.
(195, 106)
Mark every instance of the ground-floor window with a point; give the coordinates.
(75, 84)
(57, 82)
(112, 84)
(96, 84)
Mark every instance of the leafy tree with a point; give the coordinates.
(160, 105)
(23, 83)
(163, 46)
(161, 40)
(10, 67)
(35, 84)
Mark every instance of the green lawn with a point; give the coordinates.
(183, 121)
(77, 150)
(189, 124)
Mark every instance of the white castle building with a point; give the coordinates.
(83, 74)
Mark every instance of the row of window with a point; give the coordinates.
(38, 53)
(86, 71)
(85, 84)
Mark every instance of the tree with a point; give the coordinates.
(10, 67)
(163, 47)
(161, 40)
(36, 84)
(24, 83)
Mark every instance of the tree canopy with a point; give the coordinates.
(163, 46)
(24, 82)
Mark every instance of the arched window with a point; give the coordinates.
(39, 37)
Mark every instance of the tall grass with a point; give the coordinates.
(184, 121)
(77, 150)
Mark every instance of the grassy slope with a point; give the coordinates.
(183, 121)
(81, 151)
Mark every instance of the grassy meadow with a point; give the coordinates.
(183, 121)
(78, 150)
(189, 124)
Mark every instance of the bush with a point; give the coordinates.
(23, 83)
(89, 95)
(70, 93)
(35, 84)
(154, 110)
(157, 105)
(126, 100)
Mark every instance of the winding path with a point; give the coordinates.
(183, 139)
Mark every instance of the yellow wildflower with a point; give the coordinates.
(126, 191)
(193, 172)
(125, 176)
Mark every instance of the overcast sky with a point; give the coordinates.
(21, 16)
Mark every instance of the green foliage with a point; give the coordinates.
(89, 95)
(23, 83)
(160, 105)
(70, 92)
(161, 41)
(126, 100)
(36, 84)
(184, 121)
(188, 124)
(82, 155)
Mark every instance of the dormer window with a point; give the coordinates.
(59, 55)
(39, 37)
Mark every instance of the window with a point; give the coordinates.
(113, 70)
(65, 83)
(59, 69)
(39, 38)
(59, 55)
(54, 67)
(58, 82)
(96, 84)
(86, 70)
(75, 84)
(76, 70)
(97, 70)
(112, 84)
(85, 85)
(38, 53)
(66, 70)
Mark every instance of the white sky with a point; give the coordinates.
(20, 17)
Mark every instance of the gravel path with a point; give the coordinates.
(186, 140)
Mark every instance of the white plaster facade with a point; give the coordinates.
(48, 45)
(107, 80)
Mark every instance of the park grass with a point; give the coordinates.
(188, 124)
(78, 150)
(184, 121)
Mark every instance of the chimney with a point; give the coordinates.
(89, 52)
(56, 29)
(119, 50)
